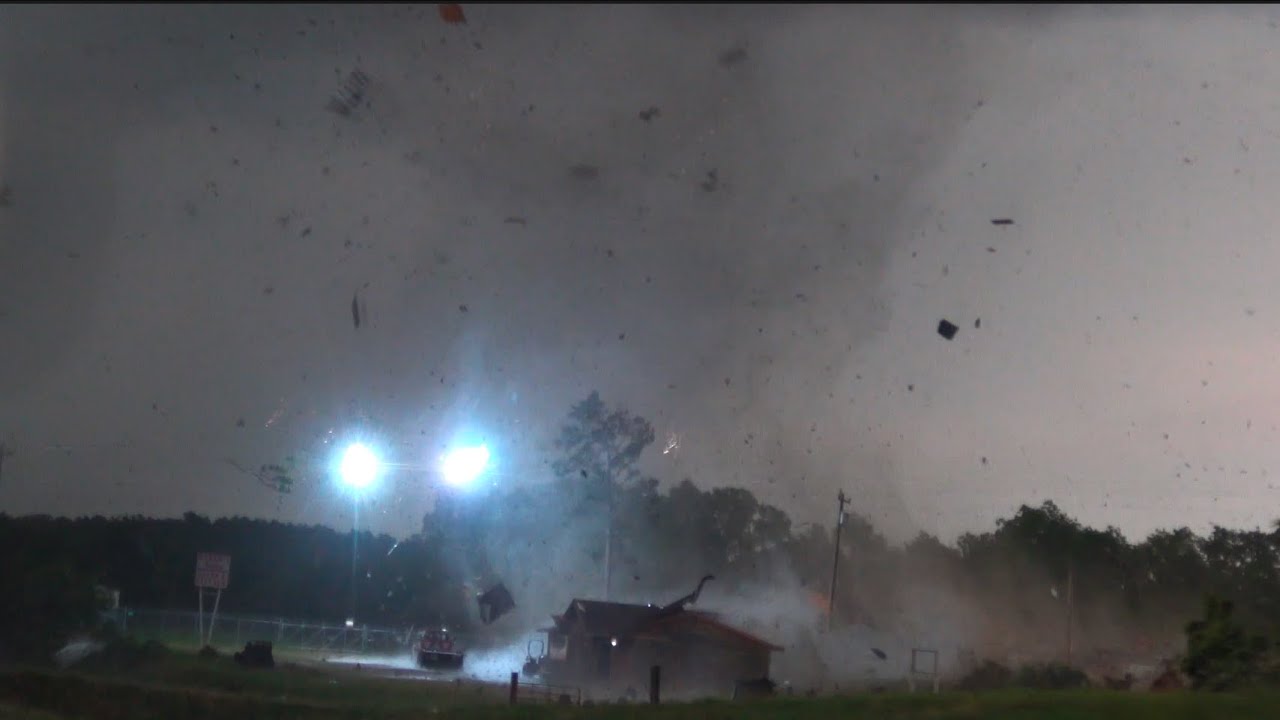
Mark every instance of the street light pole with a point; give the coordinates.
(835, 562)
(358, 468)
(355, 522)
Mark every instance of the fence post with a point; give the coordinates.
(515, 684)
(655, 684)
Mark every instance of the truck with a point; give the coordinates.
(437, 650)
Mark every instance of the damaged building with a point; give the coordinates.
(608, 648)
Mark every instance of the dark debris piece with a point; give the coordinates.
(494, 603)
(947, 330)
(351, 95)
(583, 171)
(879, 653)
(712, 182)
(6, 196)
(652, 112)
(1002, 221)
(977, 323)
(355, 310)
(452, 13)
(733, 56)
(516, 220)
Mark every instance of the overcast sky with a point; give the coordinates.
(742, 223)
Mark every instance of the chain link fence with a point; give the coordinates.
(182, 627)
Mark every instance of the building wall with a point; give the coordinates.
(692, 666)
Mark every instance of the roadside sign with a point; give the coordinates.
(213, 570)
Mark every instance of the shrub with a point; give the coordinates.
(125, 654)
(45, 604)
(1050, 676)
(1221, 655)
(987, 676)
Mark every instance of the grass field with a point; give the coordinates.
(180, 686)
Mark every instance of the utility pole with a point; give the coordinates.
(1070, 606)
(4, 452)
(835, 562)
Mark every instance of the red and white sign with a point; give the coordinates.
(213, 570)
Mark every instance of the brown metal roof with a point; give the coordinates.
(707, 621)
(598, 618)
(606, 618)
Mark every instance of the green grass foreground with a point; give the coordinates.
(182, 687)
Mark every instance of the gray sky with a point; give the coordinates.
(758, 267)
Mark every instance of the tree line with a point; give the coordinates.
(1038, 582)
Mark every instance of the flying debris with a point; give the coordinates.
(673, 444)
(355, 310)
(6, 196)
(712, 182)
(276, 477)
(1001, 221)
(494, 603)
(946, 329)
(452, 13)
(582, 171)
(878, 653)
(733, 56)
(275, 415)
(653, 112)
(351, 95)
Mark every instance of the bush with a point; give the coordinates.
(987, 676)
(1050, 676)
(209, 652)
(1043, 676)
(125, 654)
(1221, 655)
(45, 604)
